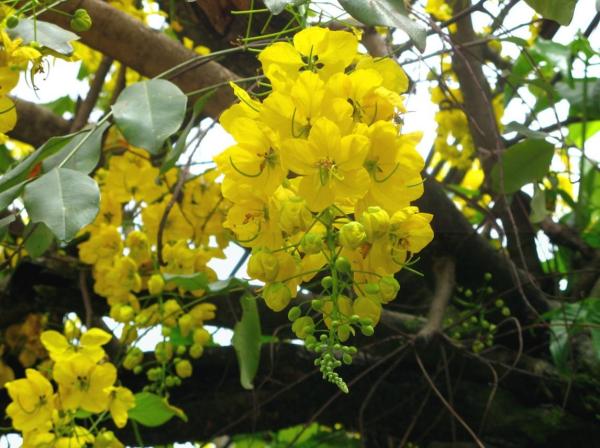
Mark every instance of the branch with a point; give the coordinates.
(149, 52)
(36, 124)
(87, 106)
(444, 273)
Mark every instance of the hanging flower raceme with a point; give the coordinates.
(321, 179)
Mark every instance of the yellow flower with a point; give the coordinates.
(8, 115)
(176, 227)
(32, 401)
(104, 243)
(331, 164)
(315, 49)
(90, 344)
(83, 383)
(120, 401)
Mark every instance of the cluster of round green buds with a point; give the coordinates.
(133, 358)
(332, 354)
(81, 21)
(502, 307)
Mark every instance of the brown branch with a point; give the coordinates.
(149, 52)
(36, 124)
(85, 108)
(563, 235)
(444, 274)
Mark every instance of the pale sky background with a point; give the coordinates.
(61, 79)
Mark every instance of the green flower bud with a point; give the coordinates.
(294, 313)
(327, 282)
(371, 289)
(352, 235)
(133, 358)
(388, 288)
(12, 22)
(312, 243)
(163, 351)
(316, 304)
(295, 216)
(367, 330)
(303, 327)
(277, 296)
(376, 222)
(81, 21)
(342, 264)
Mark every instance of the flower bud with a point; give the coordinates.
(263, 266)
(376, 222)
(185, 324)
(294, 313)
(312, 243)
(277, 296)
(196, 351)
(388, 288)
(156, 284)
(201, 336)
(133, 358)
(294, 216)
(301, 325)
(81, 21)
(365, 307)
(352, 235)
(163, 352)
(183, 368)
(203, 312)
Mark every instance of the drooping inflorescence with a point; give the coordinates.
(321, 179)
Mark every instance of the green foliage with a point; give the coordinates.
(80, 152)
(189, 282)
(390, 13)
(63, 199)
(46, 34)
(523, 163)
(559, 10)
(38, 239)
(246, 341)
(568, 321)
(149, 112)
(152, 410)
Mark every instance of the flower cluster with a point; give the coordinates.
(85, 385)
(321, 179)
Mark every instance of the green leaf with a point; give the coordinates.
(560, 11)
(4, 222)
(246, 341)
(523, 163)
(277, 6)
(180, 145)
(513, 126)
(7, 196)
(538, 206)
(225, 285)
(190, 282)
(63, 199)
(149, 112)
(390, 13)
(576, 132)
(151, 410)
(557, 54)
(177, 338)
(574, 94)
(20, 172)
(46, 34)
(61, 105)
(87, 145)
(38, 239)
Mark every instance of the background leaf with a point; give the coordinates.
(87, 155)
(190, 282)
(151, 410)
(47, 34)
(523, 163)
(391, 13)
(560, 11)
(246, 341)
(63, 199)
(38, 239)
(149, 112)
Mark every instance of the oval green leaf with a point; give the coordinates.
(149, 112)
(63, 199)
(390, 13)
(523, 163)
(246, 341)
(152, 410)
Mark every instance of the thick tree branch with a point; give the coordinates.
(36, 124)
(444, 276)
(147, 51)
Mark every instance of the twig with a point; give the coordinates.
(448, 406)
(87, 302)
(86, 107)
(444, 274)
